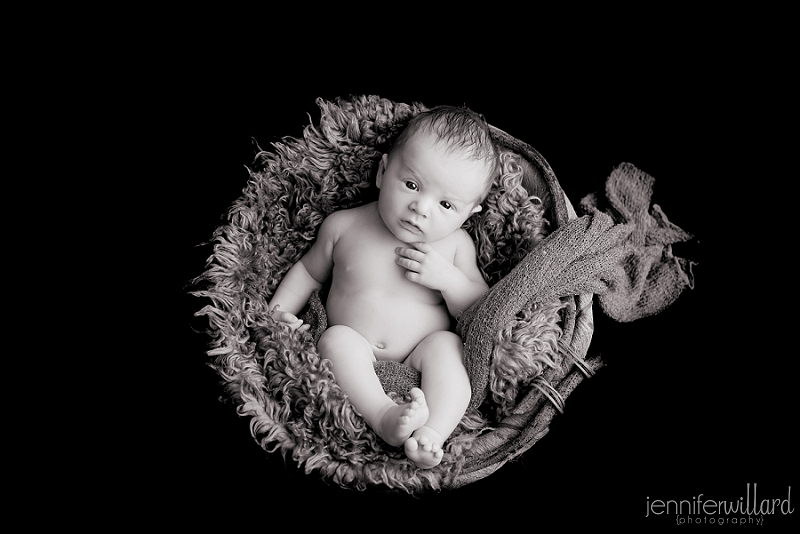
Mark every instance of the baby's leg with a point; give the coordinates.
(352, 359)
(440, 360)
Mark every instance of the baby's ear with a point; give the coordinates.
(476, 209)
(381, 170)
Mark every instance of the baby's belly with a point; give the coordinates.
(393, 326)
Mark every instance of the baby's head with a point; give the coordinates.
(437, 173)
(459, 130)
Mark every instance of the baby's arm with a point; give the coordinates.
(306, 276)
(467, 290)
(460, 282)
(292, 294)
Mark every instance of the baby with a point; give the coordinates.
(400, 267)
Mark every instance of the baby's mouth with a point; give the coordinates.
(410, 226)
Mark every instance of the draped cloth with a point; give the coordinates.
(622, 254)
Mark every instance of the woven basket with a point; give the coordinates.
(238, 301)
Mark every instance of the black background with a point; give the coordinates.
(689, 402)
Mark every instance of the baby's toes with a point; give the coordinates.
(417, 396)
(425, 443)
(424, 456)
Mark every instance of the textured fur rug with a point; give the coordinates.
(275, 376)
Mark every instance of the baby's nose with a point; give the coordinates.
(419, 208)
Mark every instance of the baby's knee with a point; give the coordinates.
(445, 341)
(444, 346)
(339, 339)
(334, 337)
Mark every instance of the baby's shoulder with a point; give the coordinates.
(463, 240)
(339, 222)
(456, 244)
(463, 243)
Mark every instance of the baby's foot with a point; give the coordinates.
(424, 447)
(398, 421)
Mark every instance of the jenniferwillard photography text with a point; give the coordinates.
(750, 508)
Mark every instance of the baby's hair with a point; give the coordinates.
(461, 129)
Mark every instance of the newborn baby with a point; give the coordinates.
(400, 268)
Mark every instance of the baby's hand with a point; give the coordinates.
(289, 318)
(426, 266)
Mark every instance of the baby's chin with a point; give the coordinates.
(413, 238)
(410, 237)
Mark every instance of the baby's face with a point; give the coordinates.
(426, 191)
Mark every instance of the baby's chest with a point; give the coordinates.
(369, 256)
(367, 259)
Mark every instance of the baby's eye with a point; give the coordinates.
(446, 205)
(411, 185)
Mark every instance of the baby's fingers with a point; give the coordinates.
(409, 253)
(290, 318)
(293, 322)
(286, 317)
(296, 324)
(407, 263)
